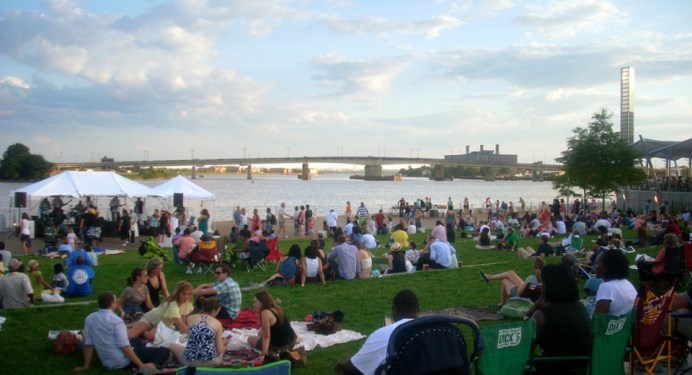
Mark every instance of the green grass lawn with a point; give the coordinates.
(26, 349)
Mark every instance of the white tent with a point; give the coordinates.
(190, 192)
(83, 184)
(180, 184)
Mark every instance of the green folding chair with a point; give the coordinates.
(506, 348)
(609, 343)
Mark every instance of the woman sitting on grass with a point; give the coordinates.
(365, 259)
(312, 265)
(172, 312)
(563, 327)
(205, 344)
(544, 249)
(484, 239)
(38, 284)
(276, 334)
(617, 294)
(156, 280)
(514, 286)
(287, 270)
(135, 298)
(396, 259)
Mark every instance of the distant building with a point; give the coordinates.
(627, 104)
(484, 156)
(106, 159)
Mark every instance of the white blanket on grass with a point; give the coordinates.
(307, 339)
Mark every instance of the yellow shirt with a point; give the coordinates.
(401, 237)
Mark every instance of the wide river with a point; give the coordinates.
(327, 191)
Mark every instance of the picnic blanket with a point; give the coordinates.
(307, 339)
(473, 313)
(246, 319)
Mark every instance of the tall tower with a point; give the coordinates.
(627, 104)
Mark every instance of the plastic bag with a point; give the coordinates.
(50, 297)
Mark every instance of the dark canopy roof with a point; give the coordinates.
(669, 150)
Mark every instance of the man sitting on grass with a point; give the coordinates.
(374, 351)
(106, 332)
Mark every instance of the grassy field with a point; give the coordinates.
(26, 349)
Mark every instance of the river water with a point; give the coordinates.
(328, 191)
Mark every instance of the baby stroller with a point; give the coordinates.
(50, 237)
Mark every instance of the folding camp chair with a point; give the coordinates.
(275, 368)
(609, 343)
(682, 338)
(506, 348)
(274, 252)
(258, 254)
(651, 339)
(204, 260)
(431, 344)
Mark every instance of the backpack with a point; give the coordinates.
(65, 343)
(273, 219)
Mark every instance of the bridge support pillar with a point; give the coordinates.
(437, 173)
(373, 171)
(489, 174)
(538, 174)
(249, 171)
(193, 173)
(305, 172)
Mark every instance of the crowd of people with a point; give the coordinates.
(124, 322)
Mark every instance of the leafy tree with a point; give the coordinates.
(18, 163)
(598, 160)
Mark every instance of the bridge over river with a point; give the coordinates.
(372, 164)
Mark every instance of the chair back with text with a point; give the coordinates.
(651, 337)
(431, 345)
(506, 348)
(611, 335)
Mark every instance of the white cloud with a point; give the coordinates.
(566, 93)
(14, 82)
(556, 19)
(431, 27)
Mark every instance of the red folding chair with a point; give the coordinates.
(274, 252)
(206, 259)
(651, 338)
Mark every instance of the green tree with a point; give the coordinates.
(18, 163)
(598, 160)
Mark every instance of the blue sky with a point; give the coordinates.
(158, 79)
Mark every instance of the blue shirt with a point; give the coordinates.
(441, 252)
(228, 293)
(107, 333)
(349, 262)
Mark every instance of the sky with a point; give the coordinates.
(149, 79)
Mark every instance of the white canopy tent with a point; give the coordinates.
(190, 192)
(86, 184)
(77, 184)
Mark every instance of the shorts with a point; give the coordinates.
(513, 292)
(149, 319)
(25, 238)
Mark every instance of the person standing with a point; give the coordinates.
(282, 220)
(105, 332)
(362, 214)
(332, 221)
(269, 221)
(226, 290)
(114, 205)
(139, 211)
(124, 228)
(25, 233)
(203, 221)
(308, 220)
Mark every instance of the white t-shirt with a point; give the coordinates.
(620, 293)
(26, 227)
(368, 240)
(561, 227)
(374, 350)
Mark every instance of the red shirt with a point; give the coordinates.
(379, 220)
